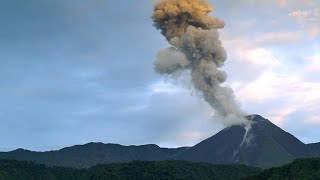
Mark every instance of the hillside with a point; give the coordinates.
(299, 169)
(91, 154)
(262, 144)
(14, 170)
(306, 169)
(315, 147)
(170, 170)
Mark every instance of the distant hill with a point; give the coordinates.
(306, 169)
(91, 154)
(315, 147)
(262, 145)
(136, 170)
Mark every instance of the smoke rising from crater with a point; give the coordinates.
(196, 46)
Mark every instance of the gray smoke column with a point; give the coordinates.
(196, 46)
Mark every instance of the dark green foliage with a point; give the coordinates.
(134, 170)
(29, 171)
(169, 170)
(303, 169)
(300, 169)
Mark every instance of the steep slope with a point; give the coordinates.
(261, 144)
(93, 153)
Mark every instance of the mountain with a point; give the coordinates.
(134, 170)
(94, 153)
(260, 144)
(315, 147)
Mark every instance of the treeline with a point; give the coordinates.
(299, 169)
(19, 170)
(303, 169)
(16, 170)
(170, 170)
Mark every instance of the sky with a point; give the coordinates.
(73, 72)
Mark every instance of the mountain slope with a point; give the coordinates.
(315, 147)
(262, 144)
(92, 154)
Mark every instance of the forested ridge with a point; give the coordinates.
(298, 169)
(17, 170)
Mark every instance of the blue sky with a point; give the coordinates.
(73, 72)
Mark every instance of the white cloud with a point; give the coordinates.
(282, 3)
(163, 87)
(308, 20)
(276, 86)
(271, 38)
(273, 86)
(314, 31)
(243, 24)
(294, 2)
(248, 60)
(265, 65)
(237, 43)
(300, 14)
(313, 63)
(258, 57)
(277, 116)
(268, 86)
(278, 37)
(306, 16)
(289, 91)
(313, 120)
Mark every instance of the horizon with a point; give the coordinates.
(137, 145)
(80, 72)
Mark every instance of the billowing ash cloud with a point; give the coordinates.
(196, 47)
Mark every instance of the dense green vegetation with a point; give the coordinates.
(134, 170)
(17, 170)
(169, 170)
(299, 169)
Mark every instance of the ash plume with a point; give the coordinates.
(195, 42)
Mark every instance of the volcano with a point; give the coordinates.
(261, 144)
